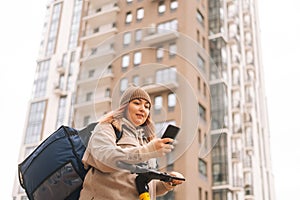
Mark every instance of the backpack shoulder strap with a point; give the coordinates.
(118, 133)
(86, 133)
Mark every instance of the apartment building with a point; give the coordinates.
(200, 62)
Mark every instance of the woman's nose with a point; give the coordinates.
(143, 108)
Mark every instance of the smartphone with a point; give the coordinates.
(171, 131)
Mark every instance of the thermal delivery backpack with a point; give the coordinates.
(54, 171)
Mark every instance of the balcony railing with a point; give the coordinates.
(104, 15)
(155, 35)
(93, 36)
(153, 84)
(84, 101)
(97, 4)
(100, 56)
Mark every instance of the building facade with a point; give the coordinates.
(200, 62)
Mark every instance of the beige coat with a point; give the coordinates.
(104, 181)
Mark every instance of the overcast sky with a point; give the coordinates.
(21, 27)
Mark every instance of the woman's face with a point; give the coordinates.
(138, 111)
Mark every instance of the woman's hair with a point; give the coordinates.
(114, 118)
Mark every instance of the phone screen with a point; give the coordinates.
(171, 132)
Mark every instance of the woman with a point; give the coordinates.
(104, 181)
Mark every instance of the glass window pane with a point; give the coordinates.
(123, 84)
(158, 102)
(161, 8)
(171, 100)
(137, 58)
(174, 4)
(128, 17)
(138, 35)
(127, 38)
(140, 14)
(125, 61)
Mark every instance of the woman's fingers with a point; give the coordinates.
(176, 182)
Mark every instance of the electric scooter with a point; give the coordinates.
(144, 176)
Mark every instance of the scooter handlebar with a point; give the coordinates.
(149, 173)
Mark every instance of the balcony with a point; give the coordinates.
(156, 36)
(59, 91)
(161, 87)
(166, 84)
(108, 14)
(99, 4)
(99, 56)
(97, 103)
(94, 36)
(236, 156)
(100, 76)
(60, 69)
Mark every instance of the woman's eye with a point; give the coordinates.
(136, 103)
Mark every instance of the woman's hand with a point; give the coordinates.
(176, 182)
(162, 146)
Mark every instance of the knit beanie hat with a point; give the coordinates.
(134, 92)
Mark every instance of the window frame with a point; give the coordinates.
(140, 14)
(129, 17)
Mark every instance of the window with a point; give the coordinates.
(125, 61)
(161, 7)
(53, 31)
(167, 26)
(28, 150)
(73, 57)
(166, 75)
(171, 100)
(172, 50)
(140, 14)
(199, 136)
(91, 73)
(88, 96)
(200, 18)
(107, 92)
(138, 35)
(123, 84)
(199, 83)
(136, 80)
(35, 122)
(24, 198)
(173, 5)
(86, 120)
(64, 60)
(61, 82)
(128, 19)
(74, 30)
(40, 82)
(202, 167)
(96, 30)
(159, 53)
(126, 38)
(109, 69)
(202, 112)
(61, 111)
(137, 58)
(158, 101)
(200, 62)
(198, 36)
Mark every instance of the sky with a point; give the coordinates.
(280, 30)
